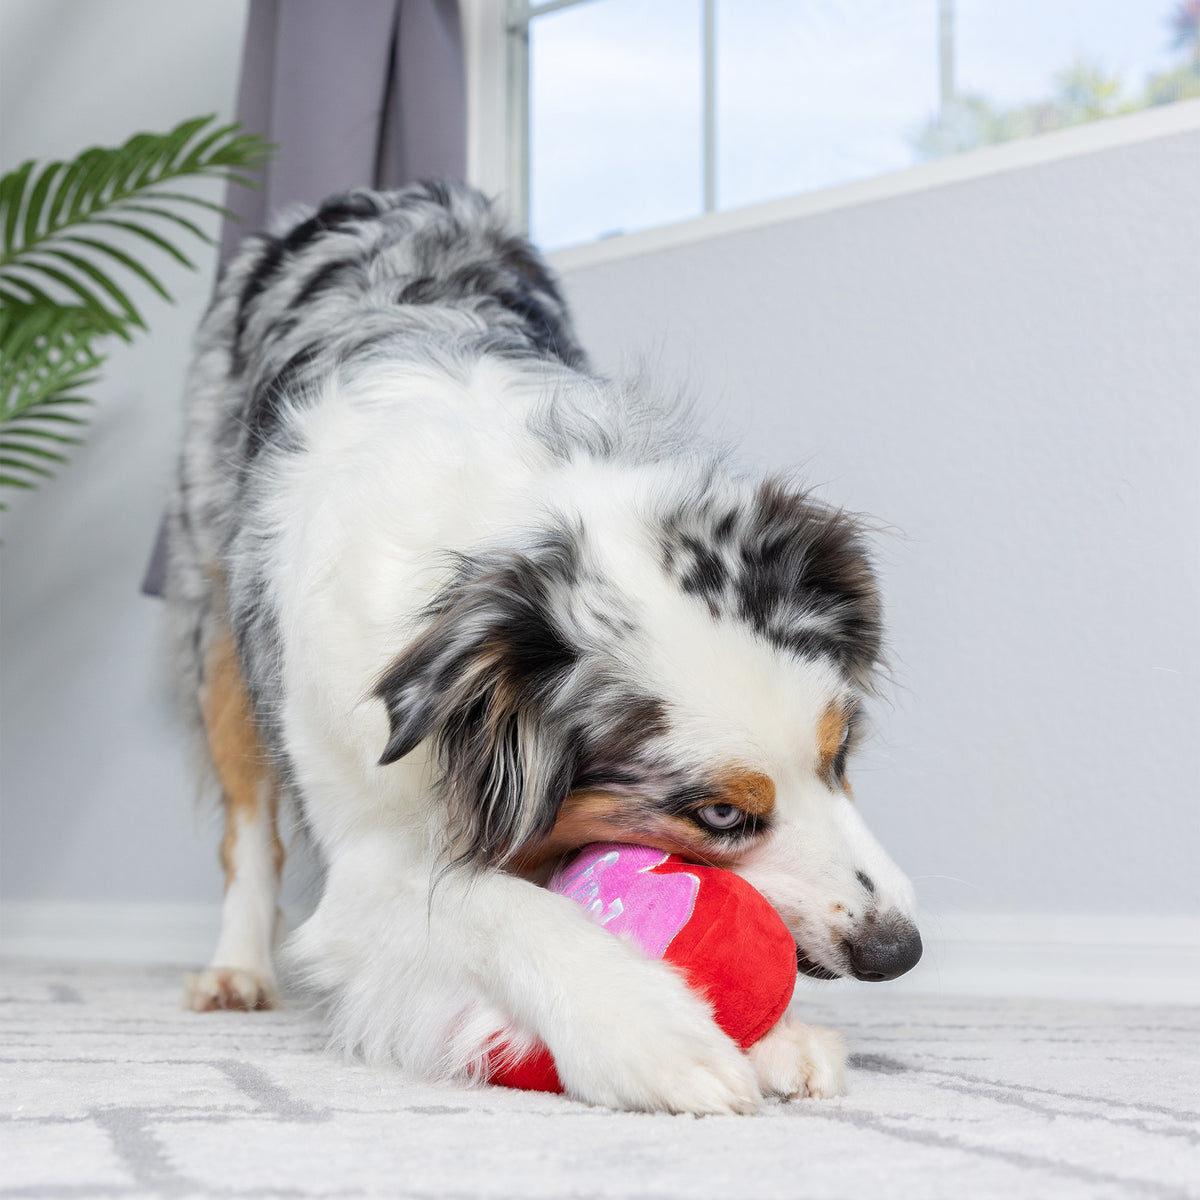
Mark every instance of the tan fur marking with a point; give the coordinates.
(751, 791)
(243, 768)
(587, 816)
(597, 816)
(830, 730)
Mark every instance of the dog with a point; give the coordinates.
(471, 606)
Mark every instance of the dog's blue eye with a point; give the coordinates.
(721, 816)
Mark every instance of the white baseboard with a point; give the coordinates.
(125, 932)
(1114, 958)
(1121, 959)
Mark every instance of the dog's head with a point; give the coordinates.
(687, 675)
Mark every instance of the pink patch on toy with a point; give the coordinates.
(616, 885)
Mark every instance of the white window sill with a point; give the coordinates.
(1181, 117)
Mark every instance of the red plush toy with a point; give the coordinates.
(730, 944)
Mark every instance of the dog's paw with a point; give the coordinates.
(664, 1054)
(794, 1059)
(675, 1072)
(229, 988)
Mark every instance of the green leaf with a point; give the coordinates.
(130, 264)
(12, 190)
(44, 435)
(89, 299)
(91, 185)
(199, 201)
(9, 446)
(167, 215)
(66, 186)
(32, 295)
(104, 282)
(84, 400)
(181, 135)
(37, 199)
(208, 143)
(143, 232)
(21, 465)
(134, 158)
(52, 219)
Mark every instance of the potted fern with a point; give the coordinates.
(70, 232)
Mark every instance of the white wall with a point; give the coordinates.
(1004, 370)
(96, 799)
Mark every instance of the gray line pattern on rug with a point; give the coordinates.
(109, 1089)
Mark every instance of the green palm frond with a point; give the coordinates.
(57, 220)
(69, 232)
(48, 359)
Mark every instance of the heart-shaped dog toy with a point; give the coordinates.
(730, 945)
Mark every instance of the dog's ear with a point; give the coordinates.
(484, 681)
(795, 570)
(807, 578)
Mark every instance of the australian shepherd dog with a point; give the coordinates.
(470, 605)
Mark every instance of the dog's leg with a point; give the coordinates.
(241, 975)
(416, 971)
(794, 1059)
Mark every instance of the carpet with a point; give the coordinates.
(109, 1089)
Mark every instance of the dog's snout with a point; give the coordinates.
(884, 947)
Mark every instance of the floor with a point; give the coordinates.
(109, 1089)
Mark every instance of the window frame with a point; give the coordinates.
(496, 44)
(496, 51)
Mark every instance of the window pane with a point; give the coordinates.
(1029, 66)
(823, 92)
(815, 94)
(615, 118)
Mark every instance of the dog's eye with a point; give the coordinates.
(721, 816)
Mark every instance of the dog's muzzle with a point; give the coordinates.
(884, 947)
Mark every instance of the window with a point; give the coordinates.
(625, 114)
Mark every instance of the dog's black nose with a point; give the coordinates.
(884, 948)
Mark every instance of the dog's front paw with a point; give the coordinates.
(670, 1070)
(229, 988)
(794, 1059)
(664, 1054)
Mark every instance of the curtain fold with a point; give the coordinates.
(368, 93)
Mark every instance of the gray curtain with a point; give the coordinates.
(353, 93)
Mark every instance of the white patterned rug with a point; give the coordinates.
(109, 1089)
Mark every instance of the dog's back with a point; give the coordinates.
(362, 276)
(357, 275)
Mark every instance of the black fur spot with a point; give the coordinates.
(483, 681)
(261, 274)
(623, 724)
(706, 576)
(794, 570)
(334, 214)
(325, 279)
(266, 405)
(422, 290)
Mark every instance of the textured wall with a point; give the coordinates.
(1005, 372)
(96, 799)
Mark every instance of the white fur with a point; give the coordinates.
(241, 974)
(426, 967)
